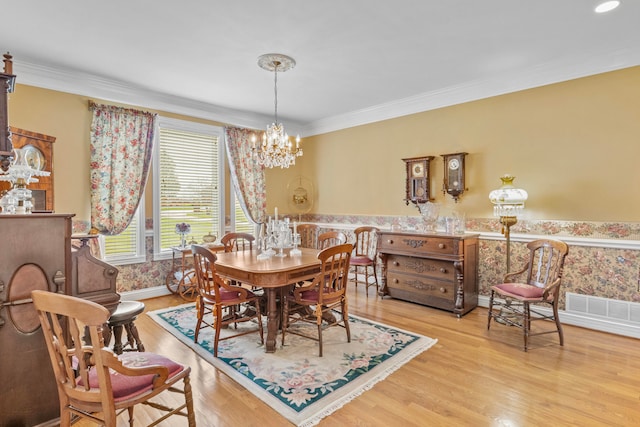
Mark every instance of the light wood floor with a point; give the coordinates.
(471, 377)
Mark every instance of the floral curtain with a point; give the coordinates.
(246, 174)
(121, 147)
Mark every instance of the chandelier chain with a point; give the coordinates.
(276, 149)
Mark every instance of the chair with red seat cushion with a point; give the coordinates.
(92, 381)
(365, 253)
(316, 301)
(228, 304)
(540, 286)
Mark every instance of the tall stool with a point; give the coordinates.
(124, 316)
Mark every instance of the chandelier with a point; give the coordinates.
(276, 149)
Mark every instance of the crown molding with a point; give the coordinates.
(85, 84)
(94, 86)
(495, 85)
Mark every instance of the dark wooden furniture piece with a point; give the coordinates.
(7, 83)
(312, 302)
(36, 254)
(39, 145)
(540, 283)
(91, 278)
(124, 319)
(438, 270)
(272, 274)
(227, 303)
(92, 382)
(418, 182)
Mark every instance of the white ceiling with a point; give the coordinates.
(358, 61)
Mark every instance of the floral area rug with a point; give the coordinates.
(293, 380)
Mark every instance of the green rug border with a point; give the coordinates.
(311, 415)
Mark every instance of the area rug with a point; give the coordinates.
(293, 380)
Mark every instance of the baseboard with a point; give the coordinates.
(589, 322)
(140, 294)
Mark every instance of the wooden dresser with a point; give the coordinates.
(438, 270)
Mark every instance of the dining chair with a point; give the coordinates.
(308, 235)
(237, 241)
(229, 304)
(311, 303)
(364, 256)
(93, 382)
(331, 238)
(539, 286)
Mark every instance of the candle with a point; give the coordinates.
(276, 215)
(298, 141)
(253, 140)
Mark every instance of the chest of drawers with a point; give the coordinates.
(437, 270)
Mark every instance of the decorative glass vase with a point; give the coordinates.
(429, 212)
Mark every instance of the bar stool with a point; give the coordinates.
(124, 316)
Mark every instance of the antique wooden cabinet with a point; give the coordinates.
(39, 154)
(438, 270)
(35, 254)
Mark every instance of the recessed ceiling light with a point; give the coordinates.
(607, 6)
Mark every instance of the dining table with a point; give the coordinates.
(272, 274)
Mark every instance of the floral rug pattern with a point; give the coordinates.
(294, 381)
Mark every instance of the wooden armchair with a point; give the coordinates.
(542, 276)
(315, 302)
(229, 304)
(92, 381)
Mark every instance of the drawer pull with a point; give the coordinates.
(443, 290)
(396, 281)
(441, 245)
(443, 270)
(396, 263)
(390, 241)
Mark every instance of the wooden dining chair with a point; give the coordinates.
(331, 238)
(229, 304)
(365, 253)
(237, 241)
(92, 381)
(314, 302)
(538, 286)
(308, 235)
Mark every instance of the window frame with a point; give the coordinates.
(195, 127)
(140, 239)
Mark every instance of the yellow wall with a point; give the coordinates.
(68, 118)
(574, 146)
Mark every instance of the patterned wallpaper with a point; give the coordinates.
(602, 261)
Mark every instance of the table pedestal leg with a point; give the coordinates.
(272, 320)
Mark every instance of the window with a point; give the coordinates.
(128, 247)
(241, 223)
(188, 182)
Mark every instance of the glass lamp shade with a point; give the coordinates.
(508, 200)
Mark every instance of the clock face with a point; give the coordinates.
(454, 164)
(34, 157)
(417, 170)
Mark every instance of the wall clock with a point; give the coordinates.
(417, 184)
(454, 184)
